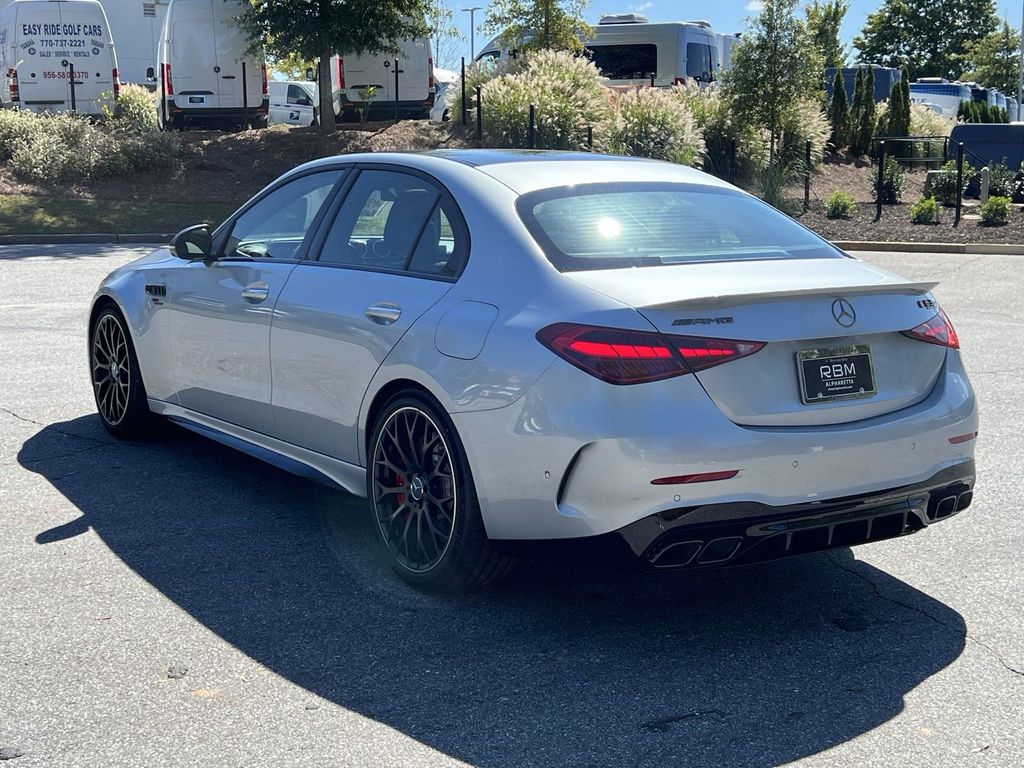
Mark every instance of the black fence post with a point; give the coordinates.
(531, 134)
(959, 182)
(396, 90)
(807, 177)
(880, 192)
(245, 99)
(652, 78)
(590, 138)
(71, 73)
(463, 91)
(730, 170)
(479, 114)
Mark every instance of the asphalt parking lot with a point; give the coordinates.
(172, 602)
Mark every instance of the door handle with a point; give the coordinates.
(384, 313)
(256, 292)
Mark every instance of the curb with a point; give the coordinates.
(85, 239)
(991, 249)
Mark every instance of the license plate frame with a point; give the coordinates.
(197, 100)
(815, 388)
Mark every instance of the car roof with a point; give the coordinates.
(525, 171)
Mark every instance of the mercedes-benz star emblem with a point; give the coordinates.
(842, 312)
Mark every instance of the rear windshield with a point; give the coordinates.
(610, 226)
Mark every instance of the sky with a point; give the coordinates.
(727, 15)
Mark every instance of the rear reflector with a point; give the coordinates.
(963, 438)
(341, 74)
(621, 356)
(704, 477)
(937, 330)
(168, 87)
(12, 84)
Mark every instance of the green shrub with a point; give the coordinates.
(925, 211)
(1000, 180)
(651, 122)
(773, 180)
(733, 150)
(135, 111)
(995, 212)
(568, 97)
(805, 121)
(892, 182)
(943, 186)
(14, 126)
(925, 122)
(840, 205)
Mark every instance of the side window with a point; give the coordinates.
(394, 221)
(275, 226)
(297, 95)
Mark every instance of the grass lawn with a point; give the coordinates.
(31, 215)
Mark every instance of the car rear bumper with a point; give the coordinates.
(576, 458)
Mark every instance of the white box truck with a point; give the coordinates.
(205, 72)
(58, 56)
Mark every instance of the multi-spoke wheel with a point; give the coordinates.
(424, 506)
(116, 381)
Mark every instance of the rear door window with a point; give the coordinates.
(699, 59)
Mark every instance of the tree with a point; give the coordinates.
(839, 113)
(927, 37)
(319, 30)
(863, 131)
(539, 24)
(774, 65)
(897, 115)
(824, 17)
(994, 60)
(445, 38)
(292, 66)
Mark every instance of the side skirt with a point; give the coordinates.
(291, 458)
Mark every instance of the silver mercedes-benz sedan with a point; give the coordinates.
(498, 346)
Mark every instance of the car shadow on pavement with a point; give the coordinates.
(555, 666)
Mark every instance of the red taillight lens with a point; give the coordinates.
(12, 84)
(341, 74)
(632, 357)
(266, 85)
(117, 83)
(937, 330)
(168, 88)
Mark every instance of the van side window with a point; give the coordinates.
(626, 62)
(276, 225)
(394, 221)
(699, 59)
(297, 95)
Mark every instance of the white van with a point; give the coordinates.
(293, 103)
(628, 50)
(205, 72)
(42, 42)
(353, 76)
(725, 45)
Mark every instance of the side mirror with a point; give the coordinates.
(151, 74)
(310, 74)
(193, 243)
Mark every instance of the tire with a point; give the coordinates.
(423, 504)
(116, 379)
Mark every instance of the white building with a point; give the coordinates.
(135, 27)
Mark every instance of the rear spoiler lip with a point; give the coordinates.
(833, 292)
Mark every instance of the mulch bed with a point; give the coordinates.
(895, 226)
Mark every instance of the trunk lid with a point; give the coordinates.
(794, 306)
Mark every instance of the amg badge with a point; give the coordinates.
(703, 321)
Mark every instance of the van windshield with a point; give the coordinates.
(612, 226)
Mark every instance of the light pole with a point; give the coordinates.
(1020, 74)
(472, 29)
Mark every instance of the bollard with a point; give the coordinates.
(881, 181)
(479, 114)
(531, 133)
(652, 79)
(245, 101)
(396, 90)
(807, 177)
(463, 91)
(959, 182)
(590, 137)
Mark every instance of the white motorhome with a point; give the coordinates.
(725, 45)
(57, 55)
(630, 50)
(368, 82)
(205, 72)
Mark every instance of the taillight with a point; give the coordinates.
(632, 357)
(430, 68)
(679, 81)
(12, 84)
(341, 74)
(266, 86)
(117, 83)
(168, 88)
(937, 330)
